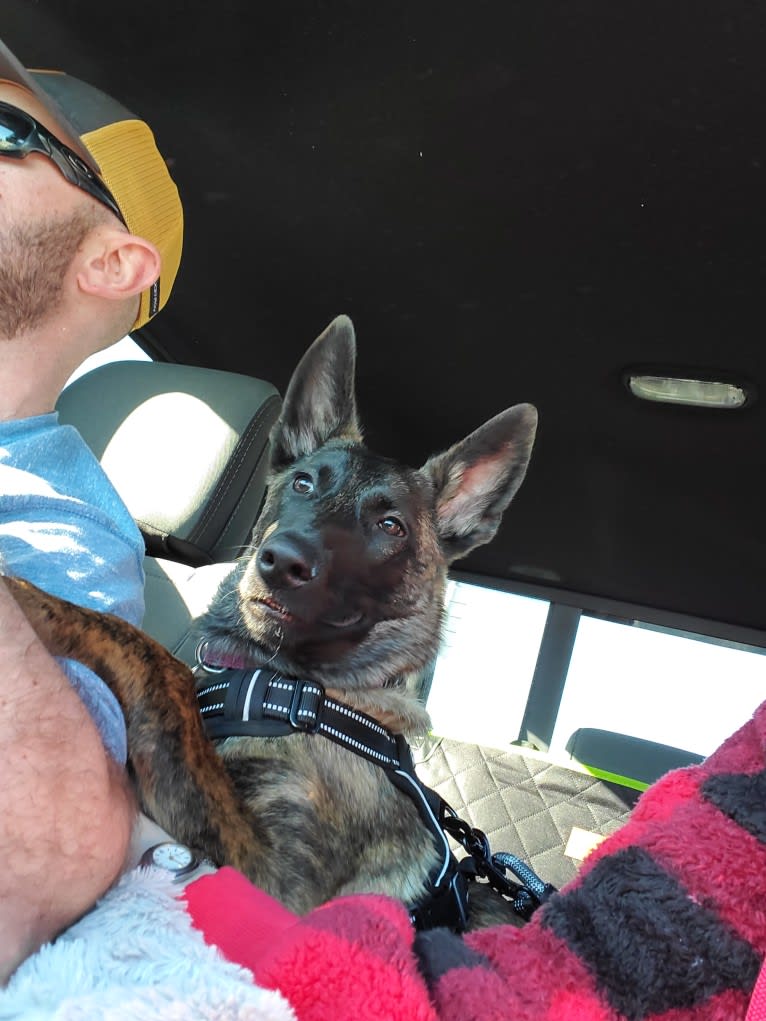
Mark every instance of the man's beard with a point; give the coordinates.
(34, 259)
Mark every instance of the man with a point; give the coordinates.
(90, 240)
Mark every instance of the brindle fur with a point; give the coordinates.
(344, 583)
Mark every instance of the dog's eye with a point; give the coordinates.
(303, 484)
(392, 526)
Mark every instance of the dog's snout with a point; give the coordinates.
(288, 561)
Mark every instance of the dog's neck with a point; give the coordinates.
(391, 705)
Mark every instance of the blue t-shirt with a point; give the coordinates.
(64, 528)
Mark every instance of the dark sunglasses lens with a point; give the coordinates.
(14, 130)
(20, 135)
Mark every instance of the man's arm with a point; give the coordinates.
(66, 809)
(65, 529)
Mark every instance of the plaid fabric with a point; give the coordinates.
(665, 922)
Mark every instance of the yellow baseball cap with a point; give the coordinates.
(121, 149)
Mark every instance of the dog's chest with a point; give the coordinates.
(360, 832)
(332, 781)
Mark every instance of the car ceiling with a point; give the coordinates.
(514, 202)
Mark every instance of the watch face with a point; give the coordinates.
(173, 857)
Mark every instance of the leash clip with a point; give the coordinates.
(525, 897)
(202, 663)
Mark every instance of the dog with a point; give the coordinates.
(343, 586)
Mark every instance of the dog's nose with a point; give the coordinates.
(287, 561)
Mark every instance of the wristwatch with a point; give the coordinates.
(180, 861)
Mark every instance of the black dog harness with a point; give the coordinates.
(262, 703)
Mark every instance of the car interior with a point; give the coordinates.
(548, 203)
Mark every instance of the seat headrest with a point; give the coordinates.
(185, 447)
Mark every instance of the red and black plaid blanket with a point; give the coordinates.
(666, 921)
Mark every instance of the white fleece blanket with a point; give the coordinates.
(136, 957)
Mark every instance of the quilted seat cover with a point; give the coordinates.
(524, 803)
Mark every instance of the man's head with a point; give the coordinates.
(80, 166)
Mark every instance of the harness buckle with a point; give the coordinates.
(308, 721)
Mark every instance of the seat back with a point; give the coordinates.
(176, 595)
(187, 450)
(185, 447)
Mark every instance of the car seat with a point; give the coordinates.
(187, 450)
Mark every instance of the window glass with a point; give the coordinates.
(483, 673)
(665, 686)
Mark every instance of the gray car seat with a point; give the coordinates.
(187, 449)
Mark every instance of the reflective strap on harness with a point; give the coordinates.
(447, 904)
(262, 703)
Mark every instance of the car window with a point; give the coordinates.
(672, 687)
(483, 673)
(662, 685)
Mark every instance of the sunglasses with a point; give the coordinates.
(21, 134)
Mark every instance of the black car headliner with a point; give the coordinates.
(514, 202)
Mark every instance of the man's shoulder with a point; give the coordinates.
(35, 429)
(36, 445)
(56, 498)
(41, 458)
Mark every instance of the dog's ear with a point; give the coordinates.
(320, 402)
(477, 478)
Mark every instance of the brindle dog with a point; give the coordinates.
(344, 584)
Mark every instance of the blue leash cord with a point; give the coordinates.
(532, 886)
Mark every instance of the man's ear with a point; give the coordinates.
(117, 265)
